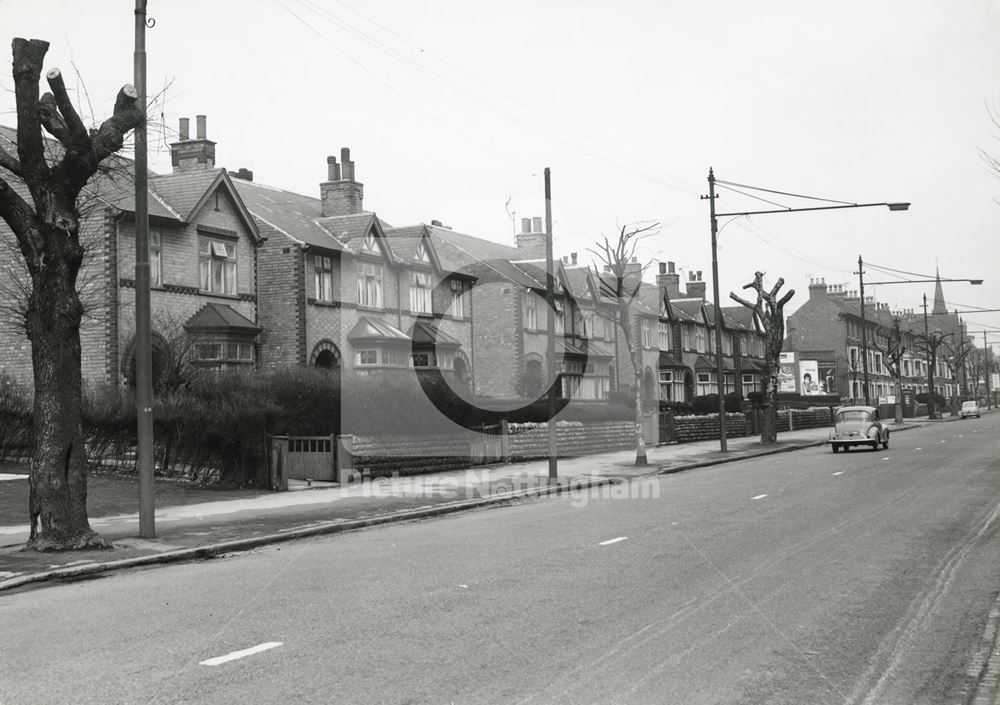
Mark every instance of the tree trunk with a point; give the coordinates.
(899, 401)
(58, 476)
(640, 442)
(769, 412)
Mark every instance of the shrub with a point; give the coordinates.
(709, 403)
(939, 402)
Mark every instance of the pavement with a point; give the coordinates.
(198, 531)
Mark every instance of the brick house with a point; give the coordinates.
(687, 341)
(203, 269)
(827, 328)
(342, 290)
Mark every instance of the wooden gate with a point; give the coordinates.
(306, 457)
(487, 444)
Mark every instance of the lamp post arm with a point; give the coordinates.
(892, 206)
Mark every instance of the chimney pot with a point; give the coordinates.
(185, 129)
(670, 267)
(201, 127)
(525, 225)
(663, 267)
(572, 257)
(332, 169)
(436, 222)
(536, 225)
(691, 276)
(699, 275)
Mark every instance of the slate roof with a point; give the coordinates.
(220, 317)
(669, 361)
(423, 333)
(688, 310)
(291, 214)
(457, 251)
(350, 230)
(375, 329)
(703, 362)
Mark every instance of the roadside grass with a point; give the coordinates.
(110, 495)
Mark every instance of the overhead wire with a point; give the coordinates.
(784, 193)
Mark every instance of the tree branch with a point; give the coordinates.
(48, 113)
(75, 133)
(9, 162)
(27, 67)
(19, 216)
(743, 301)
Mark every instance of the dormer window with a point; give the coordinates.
(421, 254)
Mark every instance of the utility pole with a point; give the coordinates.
(143, 346)
(719, 378)
(550, 329)
(930, 366)
(986, 369)
(864, 328)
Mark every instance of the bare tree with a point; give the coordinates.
(47, 231)
(891, 346)
(954, 360)
(621, 280)
(770, 311)
(928, 345)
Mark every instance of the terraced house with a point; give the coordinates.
(203, 269)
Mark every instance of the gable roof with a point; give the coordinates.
(406, 240)
(351, 230)
(291, 214)
(213, 317)
(457, 252)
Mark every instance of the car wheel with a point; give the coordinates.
(885, 443)
(874, 445)
(836, 448)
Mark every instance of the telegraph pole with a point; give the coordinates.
(550, 329)
(864, 328)
(719, 374)
(143, 347)
(930, 366)
(986, 368)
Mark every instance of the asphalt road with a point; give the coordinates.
(805, 577)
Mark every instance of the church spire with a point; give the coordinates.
(939, 306)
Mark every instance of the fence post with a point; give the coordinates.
(279, 464)
(345, 458)
(505, 440)
(791, 422)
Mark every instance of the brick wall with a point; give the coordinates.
(282, 300)
(804, 418)
(497, 330)
(531, 441)
(703, 428)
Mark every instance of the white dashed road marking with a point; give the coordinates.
(240, 654)
(611, 541)
(760, 496)
(841, 472)
(918, 449)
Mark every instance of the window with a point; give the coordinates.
(699, 339)
(217, 263)
(686, 336)
(367, 357)
(223, 355)
(644, 327)
(530, 311)
(394, 358)
(155, 259)
(370, 284)
(705, 385)
(750, 383)
(663, 330)
(457, 299)
(323, 268)
(727, 343)
(421, 359)
(420, 292)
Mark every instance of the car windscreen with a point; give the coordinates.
(852, 416)
(969, 405)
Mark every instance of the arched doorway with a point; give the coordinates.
(325, 355)
(688, 386)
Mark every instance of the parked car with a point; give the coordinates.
(970, 408)
(857, 426)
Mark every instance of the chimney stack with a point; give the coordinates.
(340, 193)
(192, 154)
(695, 286)
(572, 257)
(531, 240)
(669, 280)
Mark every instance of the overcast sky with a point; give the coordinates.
(452, 107)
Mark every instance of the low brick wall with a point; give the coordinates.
(409, 455)
(529, 441)
(704, 428)
(817, 417)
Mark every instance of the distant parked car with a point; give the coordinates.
(970, 408)
(857, 426)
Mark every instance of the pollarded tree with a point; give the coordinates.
(954, 359)
(621, 281)
(891, 346)
(46, 227)
(770, 311)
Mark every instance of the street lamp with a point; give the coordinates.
(713, 216)
(864, 324)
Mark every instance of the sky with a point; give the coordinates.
(452, 110)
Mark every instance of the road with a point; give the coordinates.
(806, 577)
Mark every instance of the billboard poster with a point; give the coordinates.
(827, 377)
(787, 381)
(809, 377)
